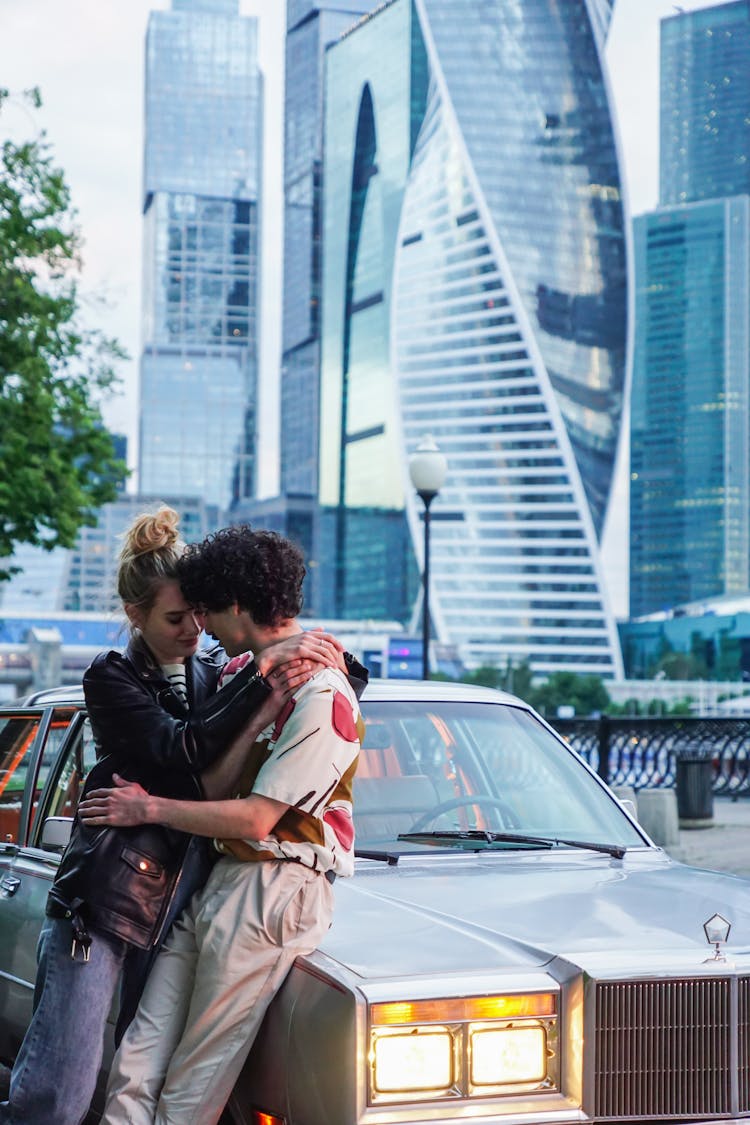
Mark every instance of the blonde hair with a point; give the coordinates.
(150, 550)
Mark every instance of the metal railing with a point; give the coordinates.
(642, 752)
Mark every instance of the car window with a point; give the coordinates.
(17, 734)
(64, 794)
(454, 766)
(58, 728)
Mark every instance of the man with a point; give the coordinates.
(270, 897)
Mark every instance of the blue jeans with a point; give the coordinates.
(55, 1073)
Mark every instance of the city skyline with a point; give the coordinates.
(98, 142)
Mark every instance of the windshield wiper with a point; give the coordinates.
(480, 836)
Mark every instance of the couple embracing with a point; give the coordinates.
(210, 832)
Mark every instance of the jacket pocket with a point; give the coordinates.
(142, 863)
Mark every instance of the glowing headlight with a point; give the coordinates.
(507, 1055)
(418, 1059)
(463, 1046)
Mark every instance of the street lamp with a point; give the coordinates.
(427, 469)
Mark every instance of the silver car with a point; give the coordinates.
(512, 949)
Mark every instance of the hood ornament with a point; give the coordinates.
(716, 930)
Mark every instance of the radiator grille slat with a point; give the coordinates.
(663, 1048)
(744, 1043)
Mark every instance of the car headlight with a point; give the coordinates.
(420, 1058)
(458, 1047)
(507, 1055)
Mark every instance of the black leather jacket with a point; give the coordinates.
(123, 881)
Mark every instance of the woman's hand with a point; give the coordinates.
(302, 649)
(281, 693)
(125, 805)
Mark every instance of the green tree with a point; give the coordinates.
(515, 678)
(518, 680)
(682, 666)
(486, 675)
(587, 694)
(57, 461)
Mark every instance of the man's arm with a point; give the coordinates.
(128, 804)
(220, 780)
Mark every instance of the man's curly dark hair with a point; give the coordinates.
(260, 571)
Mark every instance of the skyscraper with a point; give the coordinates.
(475, 287)
(690, 417)
(704, 135)
(311, 26)
(201, 190)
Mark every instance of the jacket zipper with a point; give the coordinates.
(218, 714)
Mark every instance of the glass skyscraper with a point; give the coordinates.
(704, 150)
(690, 414)
(201, 191)
(311, 26)
(690, 423)
(475, 287)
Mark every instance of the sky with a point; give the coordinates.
(87, 59)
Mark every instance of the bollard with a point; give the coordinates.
(657, 814)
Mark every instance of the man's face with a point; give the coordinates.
(227, 626)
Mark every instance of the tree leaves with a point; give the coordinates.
(57, 462)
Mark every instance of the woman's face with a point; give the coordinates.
(171, 628)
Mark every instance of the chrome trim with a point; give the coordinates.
(743, 1023)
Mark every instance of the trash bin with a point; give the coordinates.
(694, 775)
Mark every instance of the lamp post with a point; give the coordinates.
(427, 469)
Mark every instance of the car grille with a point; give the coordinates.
(671, 1049)
(744, 1037)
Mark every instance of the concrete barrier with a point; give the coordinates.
(657, 813)
(626, 796)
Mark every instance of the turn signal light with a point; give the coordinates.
(463, 1009)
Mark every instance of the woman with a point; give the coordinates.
(156, 719)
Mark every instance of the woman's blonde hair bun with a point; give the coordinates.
(150, 550)
(152, 531)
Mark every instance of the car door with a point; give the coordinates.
(41, 761)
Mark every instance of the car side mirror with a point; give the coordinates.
(56, 832)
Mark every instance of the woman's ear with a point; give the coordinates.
(133, 614)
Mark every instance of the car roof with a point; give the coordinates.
(377, 691)
(68, 693)
(438, 690)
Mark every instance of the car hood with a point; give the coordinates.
(506, 911)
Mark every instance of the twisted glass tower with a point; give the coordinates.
(505, 290)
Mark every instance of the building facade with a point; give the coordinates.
(311, 26)
(382, 62)
(704, 133)
(690, 415)
(690, 422)
(201, 192)
(475, 287)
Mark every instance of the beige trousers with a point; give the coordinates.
(209, 989)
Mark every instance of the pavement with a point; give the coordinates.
(725, 845)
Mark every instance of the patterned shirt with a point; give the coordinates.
(307, 760)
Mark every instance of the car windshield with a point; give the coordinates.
(450, 767)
